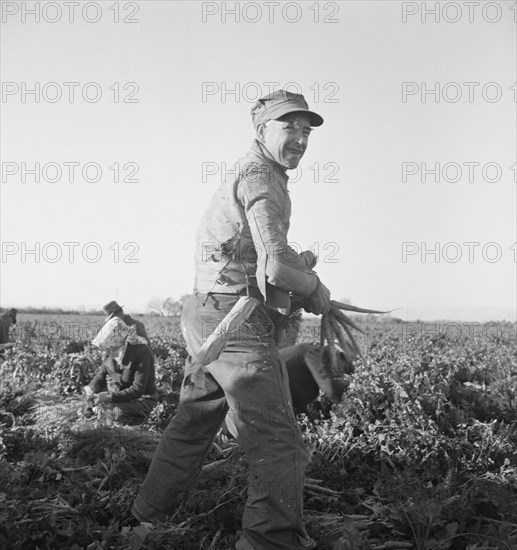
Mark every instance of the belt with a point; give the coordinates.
(253, 292)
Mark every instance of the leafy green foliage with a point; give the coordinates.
(420, 454)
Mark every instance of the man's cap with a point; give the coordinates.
(111, 308)
(280, 103)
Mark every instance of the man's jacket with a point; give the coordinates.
(242, 238)
(133, 378)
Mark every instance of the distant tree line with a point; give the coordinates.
(55, 311)
(168, 307)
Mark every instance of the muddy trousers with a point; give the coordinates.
(249, 381)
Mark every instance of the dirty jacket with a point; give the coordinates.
(242, 238)
(133, 378)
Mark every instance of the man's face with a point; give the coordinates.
(287, 138)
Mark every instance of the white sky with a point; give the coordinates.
(369, 212)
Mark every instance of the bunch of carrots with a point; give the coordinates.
(337, 326)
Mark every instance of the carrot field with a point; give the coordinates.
(421, 453)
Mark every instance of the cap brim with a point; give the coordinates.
(315, 119)
(108, 317)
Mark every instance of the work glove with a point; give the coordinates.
(309, 258)
(319, 301)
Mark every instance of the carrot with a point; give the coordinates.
(326, 325)
(345, 319)
(342, 338)
(347, 307)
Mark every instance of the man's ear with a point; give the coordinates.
(261, 132)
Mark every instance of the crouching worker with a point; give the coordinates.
(126, 379)
(309, 373)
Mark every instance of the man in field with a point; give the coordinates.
(7, 320)
(125, 382)
(310, 372)
(242, 250)
(112, 309)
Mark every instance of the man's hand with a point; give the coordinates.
(103, 397)
(309, 258)
(319, 301)
(88, 392)
(338, 386)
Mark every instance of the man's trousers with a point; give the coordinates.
(249, 381)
